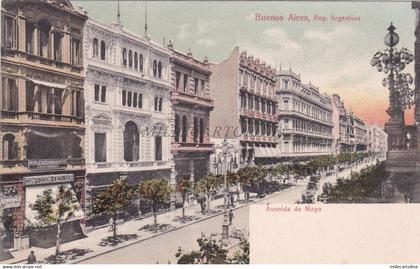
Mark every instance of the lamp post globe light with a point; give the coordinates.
(392, 62)
(225, 153)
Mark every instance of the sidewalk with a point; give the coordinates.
(345, 173)
(98, 241)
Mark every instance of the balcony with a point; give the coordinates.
(192, 100)
(8, 114)
(192, 147)
(258, 115)
(36, 116)
(54, 117)
(43, 164)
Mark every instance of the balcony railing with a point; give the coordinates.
(191, 146)
(192, 99)
(8, 114)
(43, 164)
(54, 117)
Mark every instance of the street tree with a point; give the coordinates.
(208, 186)
(242, 255)
(112, 200)
(184, 187)
(157, 191)
(56, 208)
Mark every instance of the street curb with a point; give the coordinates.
(168, 231)
(175, 229)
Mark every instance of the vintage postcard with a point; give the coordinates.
(209, 132)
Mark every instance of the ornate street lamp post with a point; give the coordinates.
(392, 62)
(225, 154)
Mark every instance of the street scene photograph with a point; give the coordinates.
(150, 132)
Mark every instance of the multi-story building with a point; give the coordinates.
(360, 134)
(305, 118)
(341, 133)
(377, 140)
(42, 109)
(128, 109)
(191, 106)
(245, 107)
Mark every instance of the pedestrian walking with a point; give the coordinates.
(31, 258)
(230, 217)
(232, 199)
(111, 225)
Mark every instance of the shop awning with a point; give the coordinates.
(48, 84)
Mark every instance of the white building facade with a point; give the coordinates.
(305, 118)
(128, 108)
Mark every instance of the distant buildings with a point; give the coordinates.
(377, 140)
(128, 109)
(245, 113)
(341, 129)
(305, 119)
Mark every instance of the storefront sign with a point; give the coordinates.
(9, 202)
(47, 179)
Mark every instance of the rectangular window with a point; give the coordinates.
(9, 32)
(124, 100)
(58, 95)
(156, 103)
(129, 99)
(78, 104)
(100, 147)
(177, 79)
(30, 100)
(185, 82)
(57, 46)
(9, 94)
(195, 86)
(160, 104)
(135, 99)
(76, 52)
(158, 148)
(97, 92)
(140, 100)
(29, 37)
(103, 94)
(203, 88)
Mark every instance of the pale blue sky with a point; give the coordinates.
(334, 56)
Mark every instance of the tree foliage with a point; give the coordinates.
(158, 191)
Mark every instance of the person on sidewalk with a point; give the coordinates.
(31, 258)
(230, 216)
(232, 200)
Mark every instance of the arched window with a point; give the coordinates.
(195, 130)
(154, 68)
(141, 62)
(184, 129)
(202, 130)
(10, 147)
(177, 128)
(44, 38)
(136, 61)
(95, 48)
(124, 56)
(103, 50)
(160, 69)
(131, 142)
(130, 58)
